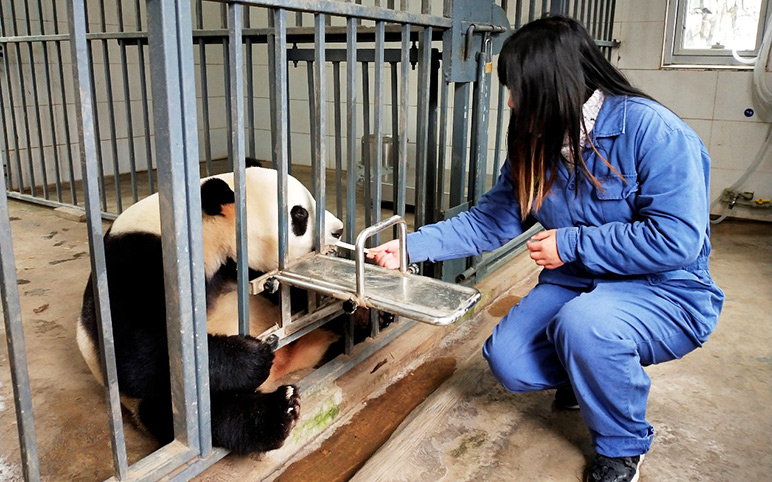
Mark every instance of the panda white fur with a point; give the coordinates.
(244, 420)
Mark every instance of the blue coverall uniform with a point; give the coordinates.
(635, 287)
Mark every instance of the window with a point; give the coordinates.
(714, 32)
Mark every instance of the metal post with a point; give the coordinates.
(351, 105)
(9, 289)
(280, 149)
(236, 92)
(127, 99)
(180, 200)
(49, 92)
(401, 179)
(88, 158)
(377, 177)
(36, 101)
(338, 140)
(320, 114)
(422, 134)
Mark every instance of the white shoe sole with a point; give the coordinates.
(638, 469)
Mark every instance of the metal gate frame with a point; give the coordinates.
(468, 41)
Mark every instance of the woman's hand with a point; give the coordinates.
(386, 255)
(544, 249)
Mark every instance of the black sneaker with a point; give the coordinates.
(565, 398)
(614, 469)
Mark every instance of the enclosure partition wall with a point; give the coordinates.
(387, 107)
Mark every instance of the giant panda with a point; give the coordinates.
(244, 420)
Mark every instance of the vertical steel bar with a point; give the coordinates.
(518, 13)
(339, 193)
(22, 394)
(481, 114)
(289, 122)
(401, 180)
(312, 119)
(36, 103)
(460, 138)
(367, 162)
(235, 65)
(23, 99)
(250, 118)
(97, 124)
(127, 99)
(180, 199)
(202, 65)
(272, 66)
(395, 132)
(422, 126)
(198, 403)
(500, 130)
(280, 147)
(320, 144)
(145, 101)
(351, 104)
(110, 109)
(610, 32)
(65, 115)
(201, 402)
(14, 134)
(609, 20)
(602, 14)
(532, 11)
(378, 162)
(432, 194)
(594, 21)
(88, 156)
(226, 81)
(6, 140)
(49, 92)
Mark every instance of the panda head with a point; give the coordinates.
(262, 213)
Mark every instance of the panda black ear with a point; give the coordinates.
(214, 194)
(252, 162)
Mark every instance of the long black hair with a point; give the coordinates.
(551, 66)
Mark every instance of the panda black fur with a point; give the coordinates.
(244, 420)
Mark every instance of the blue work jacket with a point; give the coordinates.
(652, 222)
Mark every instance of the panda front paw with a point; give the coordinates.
(282, 413)
(238, 362)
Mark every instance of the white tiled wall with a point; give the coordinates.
(712, 102)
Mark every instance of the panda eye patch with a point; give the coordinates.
(299, 216)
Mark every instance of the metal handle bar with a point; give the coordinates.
(359, 251)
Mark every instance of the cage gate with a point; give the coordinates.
(160, 97)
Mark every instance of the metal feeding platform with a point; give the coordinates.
(360, 284)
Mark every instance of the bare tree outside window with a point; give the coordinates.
(707, 32)
(722, 24)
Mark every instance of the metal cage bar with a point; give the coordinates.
(22, 393)
(180, 201)
(320, 115)
(88, 153)
(236, 112)
(171, 40)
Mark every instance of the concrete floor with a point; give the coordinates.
(712, 411)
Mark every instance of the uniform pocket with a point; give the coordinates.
(614, 188)
(615, 197)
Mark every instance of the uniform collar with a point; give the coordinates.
(612, 117)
